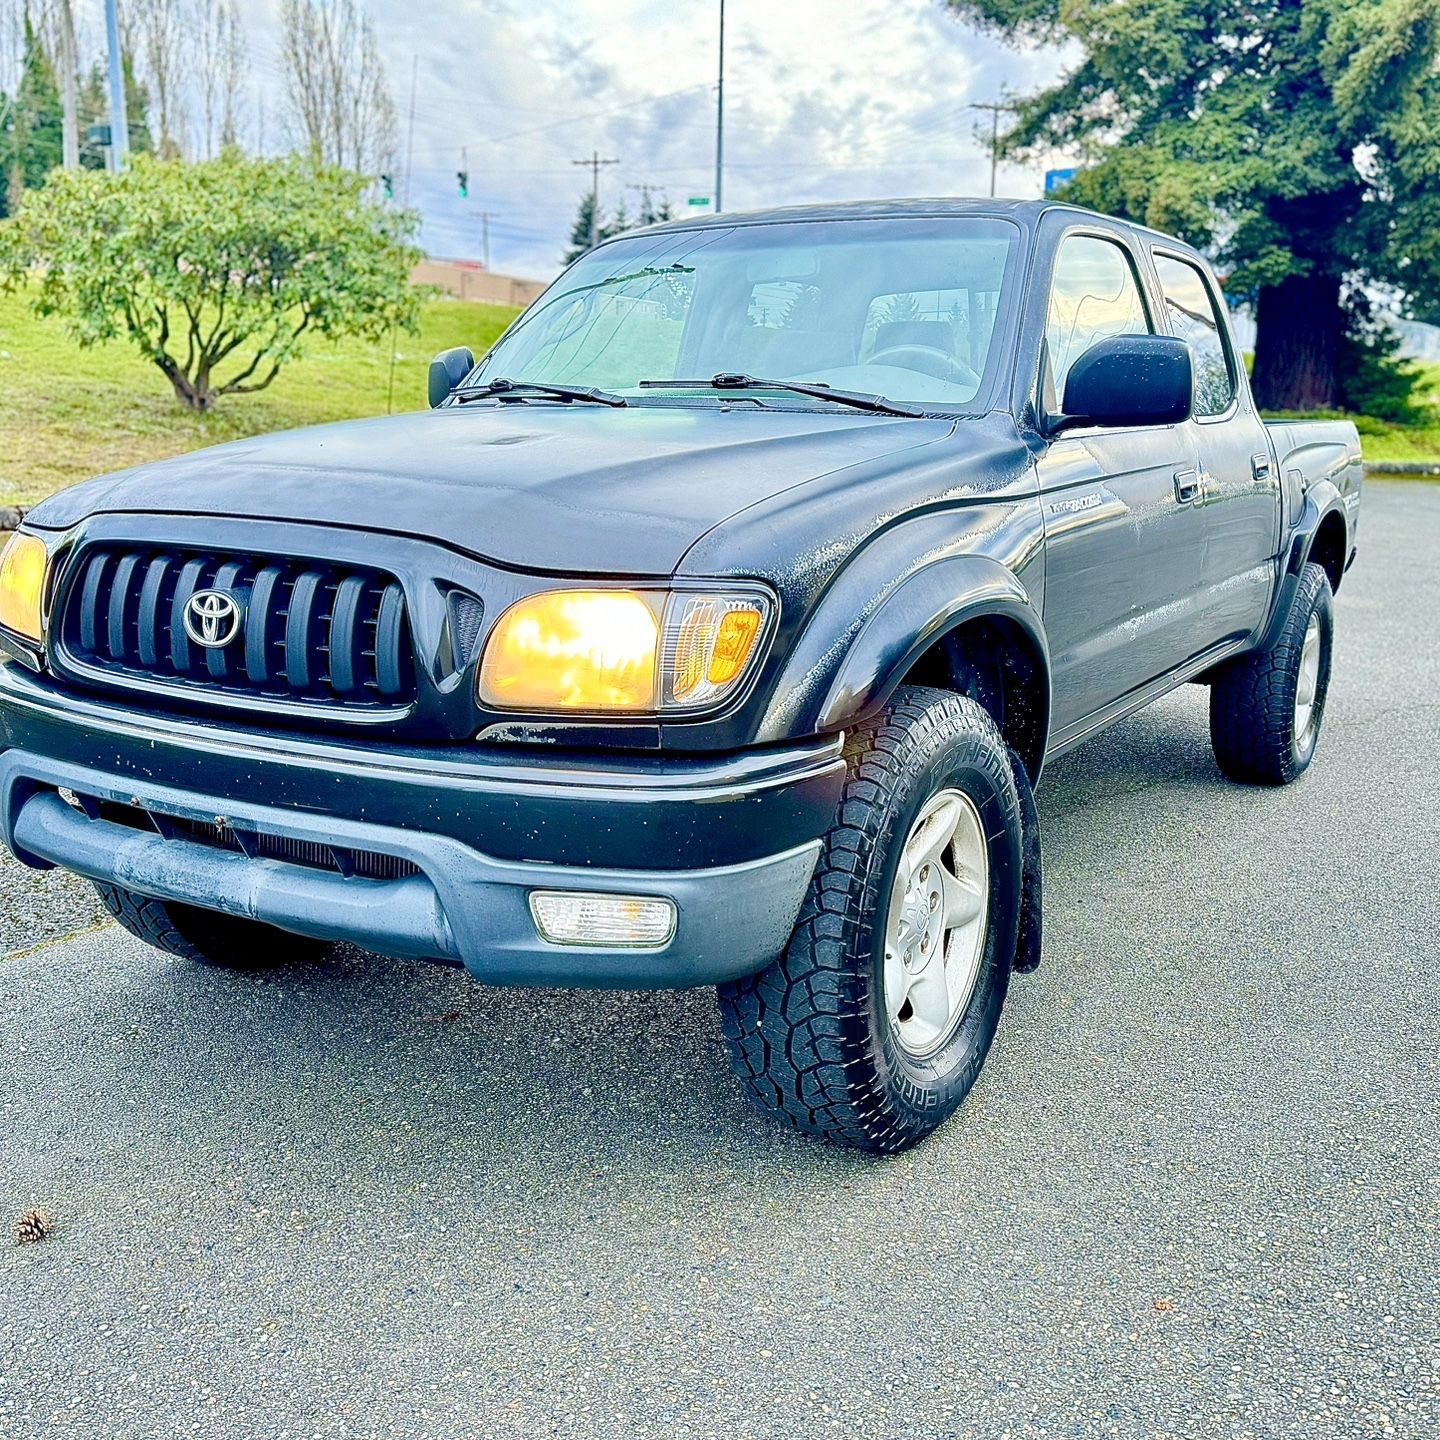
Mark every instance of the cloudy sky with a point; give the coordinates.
(825, 100)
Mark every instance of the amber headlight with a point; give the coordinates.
(22, 585)
(634, 651)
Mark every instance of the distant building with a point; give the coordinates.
(1417, 341)
(469, 280)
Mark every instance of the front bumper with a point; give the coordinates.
(466, 834)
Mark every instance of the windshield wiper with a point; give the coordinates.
(816, 390)
(502, 389)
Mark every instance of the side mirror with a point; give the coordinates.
(1128, 380)
(447, 370)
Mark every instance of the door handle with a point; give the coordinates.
(1187, 485)
(1260, 467)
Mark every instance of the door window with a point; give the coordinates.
(1190, 310)
(1094, 295)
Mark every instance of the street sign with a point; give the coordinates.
(698, 200)
(1054, 179)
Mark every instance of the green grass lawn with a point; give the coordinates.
(67, 414)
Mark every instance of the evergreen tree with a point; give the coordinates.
(618, 225)
(587, 228)
(1296, 140)
(95, 110)
(31, 138)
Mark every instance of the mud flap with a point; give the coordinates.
(1027, 943)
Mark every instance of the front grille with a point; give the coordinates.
(309, 632)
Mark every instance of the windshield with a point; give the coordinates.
(903, 308)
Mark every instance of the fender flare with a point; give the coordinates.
(1321, 500)
(905, 621)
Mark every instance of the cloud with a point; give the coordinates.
(824, 100)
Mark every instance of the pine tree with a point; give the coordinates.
(618, 225)
(31, 135)
(587, 228)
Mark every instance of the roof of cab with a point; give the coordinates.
(1026, 213)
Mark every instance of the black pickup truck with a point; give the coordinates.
(713, 629)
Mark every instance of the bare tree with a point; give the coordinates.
(160, 34)
(234, 75)
(338, 97)
(12, 45)
(223, 65)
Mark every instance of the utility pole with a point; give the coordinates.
(119, 126)
(720, 116)
(70, 122)
(594, 162)
(995, 107)
(485, 217)
(647, 205)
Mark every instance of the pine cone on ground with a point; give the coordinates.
(32, 1226)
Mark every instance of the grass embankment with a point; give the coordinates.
(67, 414)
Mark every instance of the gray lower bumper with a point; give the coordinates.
(460, 905)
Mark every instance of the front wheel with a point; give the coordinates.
(1266, 708)
(872, 1027)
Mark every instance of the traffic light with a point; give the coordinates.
(387, 183)
(462, 181)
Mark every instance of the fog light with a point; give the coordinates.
(577, 917)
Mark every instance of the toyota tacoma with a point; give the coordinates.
(713, 629)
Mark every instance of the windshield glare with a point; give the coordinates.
(903, 308)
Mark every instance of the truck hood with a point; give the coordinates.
(541, 487)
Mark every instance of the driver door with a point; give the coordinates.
(1123, 534)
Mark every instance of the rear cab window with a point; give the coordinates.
(1192, 314)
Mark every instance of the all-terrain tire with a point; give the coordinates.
(230, 941)
(1258, 732)
(809, 1035)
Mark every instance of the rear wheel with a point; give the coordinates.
(1266, 709)
(872, 1027)
(212, 938)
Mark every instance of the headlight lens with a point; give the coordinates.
(629, 651)
(22, 585)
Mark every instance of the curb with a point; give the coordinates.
(1402, 467)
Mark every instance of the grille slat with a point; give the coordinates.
(297, 630)
(312, 633)
(257, 626)
(121, 594)
(149, 618)
(180, 647)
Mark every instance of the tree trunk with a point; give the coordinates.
(191, 394)
(1299, 325)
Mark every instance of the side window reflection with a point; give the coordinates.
(1093, 296)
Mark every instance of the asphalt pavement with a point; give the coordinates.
(1196, 1192)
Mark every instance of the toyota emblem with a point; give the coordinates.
(212, 618)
